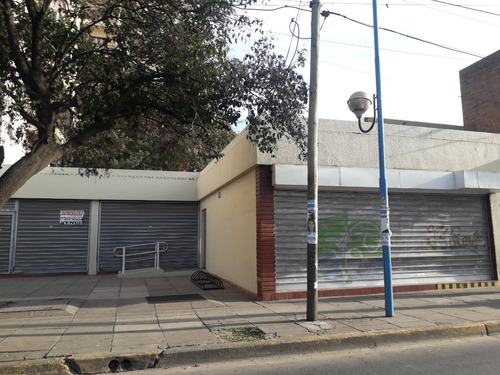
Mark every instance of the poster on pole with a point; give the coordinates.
(312, 222)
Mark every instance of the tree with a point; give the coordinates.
(85, 78)
(146, 148)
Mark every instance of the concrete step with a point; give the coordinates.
(142, 272)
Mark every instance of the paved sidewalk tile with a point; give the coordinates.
(102, 315)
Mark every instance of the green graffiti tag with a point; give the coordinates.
(341, 242)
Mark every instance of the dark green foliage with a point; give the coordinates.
(140, 83)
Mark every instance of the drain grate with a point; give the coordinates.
(174, 298)
(206, 281)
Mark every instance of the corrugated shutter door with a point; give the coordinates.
(132, 223)
(5, 241)
(46, 246)
(436, 238)
(439, 239)
(204, 238)
(10, 206)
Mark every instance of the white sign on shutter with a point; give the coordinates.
(71, 217)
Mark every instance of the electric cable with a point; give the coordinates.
(466, 7)
(295, 25)
(326, 13)
(271, 9)
(433, 8)
(413, 37)
(292, 32)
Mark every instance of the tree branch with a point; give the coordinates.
(12, 38)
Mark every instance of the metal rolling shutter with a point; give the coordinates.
(132, 223)
(5, 241)
(10, 206)
(439, 239)
(436, 238)
(7, 217)
(204, 238)
(46, 246)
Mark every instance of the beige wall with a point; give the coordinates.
(226, 189)
(239, 157)
(231, 232)
(119, 184)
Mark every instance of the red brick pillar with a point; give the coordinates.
(266, 255)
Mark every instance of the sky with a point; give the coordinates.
(419, 80)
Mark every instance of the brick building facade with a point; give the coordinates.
(480, 88)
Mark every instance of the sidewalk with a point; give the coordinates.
(91, 324)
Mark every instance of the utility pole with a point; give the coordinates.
(312, 170)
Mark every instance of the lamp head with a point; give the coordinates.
(358, 103)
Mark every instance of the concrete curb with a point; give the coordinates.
(112, 363)
(230, 351)
(48, 367)
(492, 327)
(180, 356)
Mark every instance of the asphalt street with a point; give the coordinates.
(458, 356)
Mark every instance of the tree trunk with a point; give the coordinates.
(25, 168)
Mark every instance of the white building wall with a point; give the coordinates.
(419, 157)
(443, 148)
(495, 223)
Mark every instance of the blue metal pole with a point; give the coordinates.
(385, 231)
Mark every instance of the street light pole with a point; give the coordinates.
(358, 103)
(384, 199)
(312, 171)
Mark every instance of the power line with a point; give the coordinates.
(398, 51)
(296, 26)
(386, 3)
(271, 9)
(433, 8)
(382, 49)
(466, 7)
(327, 13)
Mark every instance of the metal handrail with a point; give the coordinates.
(160, 247)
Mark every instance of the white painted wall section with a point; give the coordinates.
(117, 184)
(295, 176)
(407, 147)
